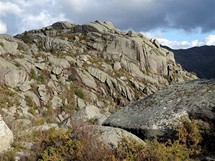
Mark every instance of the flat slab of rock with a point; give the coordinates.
(158, 115)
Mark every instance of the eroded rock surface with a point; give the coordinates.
(158, 115)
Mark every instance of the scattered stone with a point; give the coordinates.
(56, 70)
(25, 86)
(117, 66)
(56, 102)
(43, 92)
(132, 34)
(89, 113)
(80, 103)
(41, 66)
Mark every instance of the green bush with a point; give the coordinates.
(33, 74)
(41, 78)
(79, 92)
(2, 44)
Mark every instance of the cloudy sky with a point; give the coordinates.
(176, 23)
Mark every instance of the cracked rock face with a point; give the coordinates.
(159, 114)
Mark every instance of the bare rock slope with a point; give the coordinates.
(66, 73)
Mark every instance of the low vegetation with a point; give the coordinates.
(79, 92)
(76, 144)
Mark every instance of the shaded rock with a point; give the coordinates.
(84, 58)
(113, 136)
(43, 92)
(6, 136)
(108, 136)
(33, 96)
(87, 79)
(112, 83)
(91, 114)
(40, 66)
(132, 34)
(156, 43)
(62, 25)
(159, 114)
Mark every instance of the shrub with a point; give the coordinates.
(33, 74)
(17, 64)
(8, 155)
(189, 136)
(2, 44)
(66, 145)
(79, 93)
(41, 78)
(185, 146)
(71, 78)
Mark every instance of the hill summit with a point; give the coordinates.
(65, 74)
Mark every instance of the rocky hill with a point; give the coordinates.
(65, 75)
(197, 59)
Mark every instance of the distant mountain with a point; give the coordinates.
(200, 60)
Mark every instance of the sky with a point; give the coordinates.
(175, 23)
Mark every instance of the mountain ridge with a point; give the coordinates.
(197, 59)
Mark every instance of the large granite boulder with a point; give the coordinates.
(15, 77)
(158, 115)
(98, 26)
(6, 136)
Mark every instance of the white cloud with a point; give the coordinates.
(9, 8)
(210, 40)
(77, 5)
(180, 44)
(33, 3)
(44, 18)
(3, 27)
